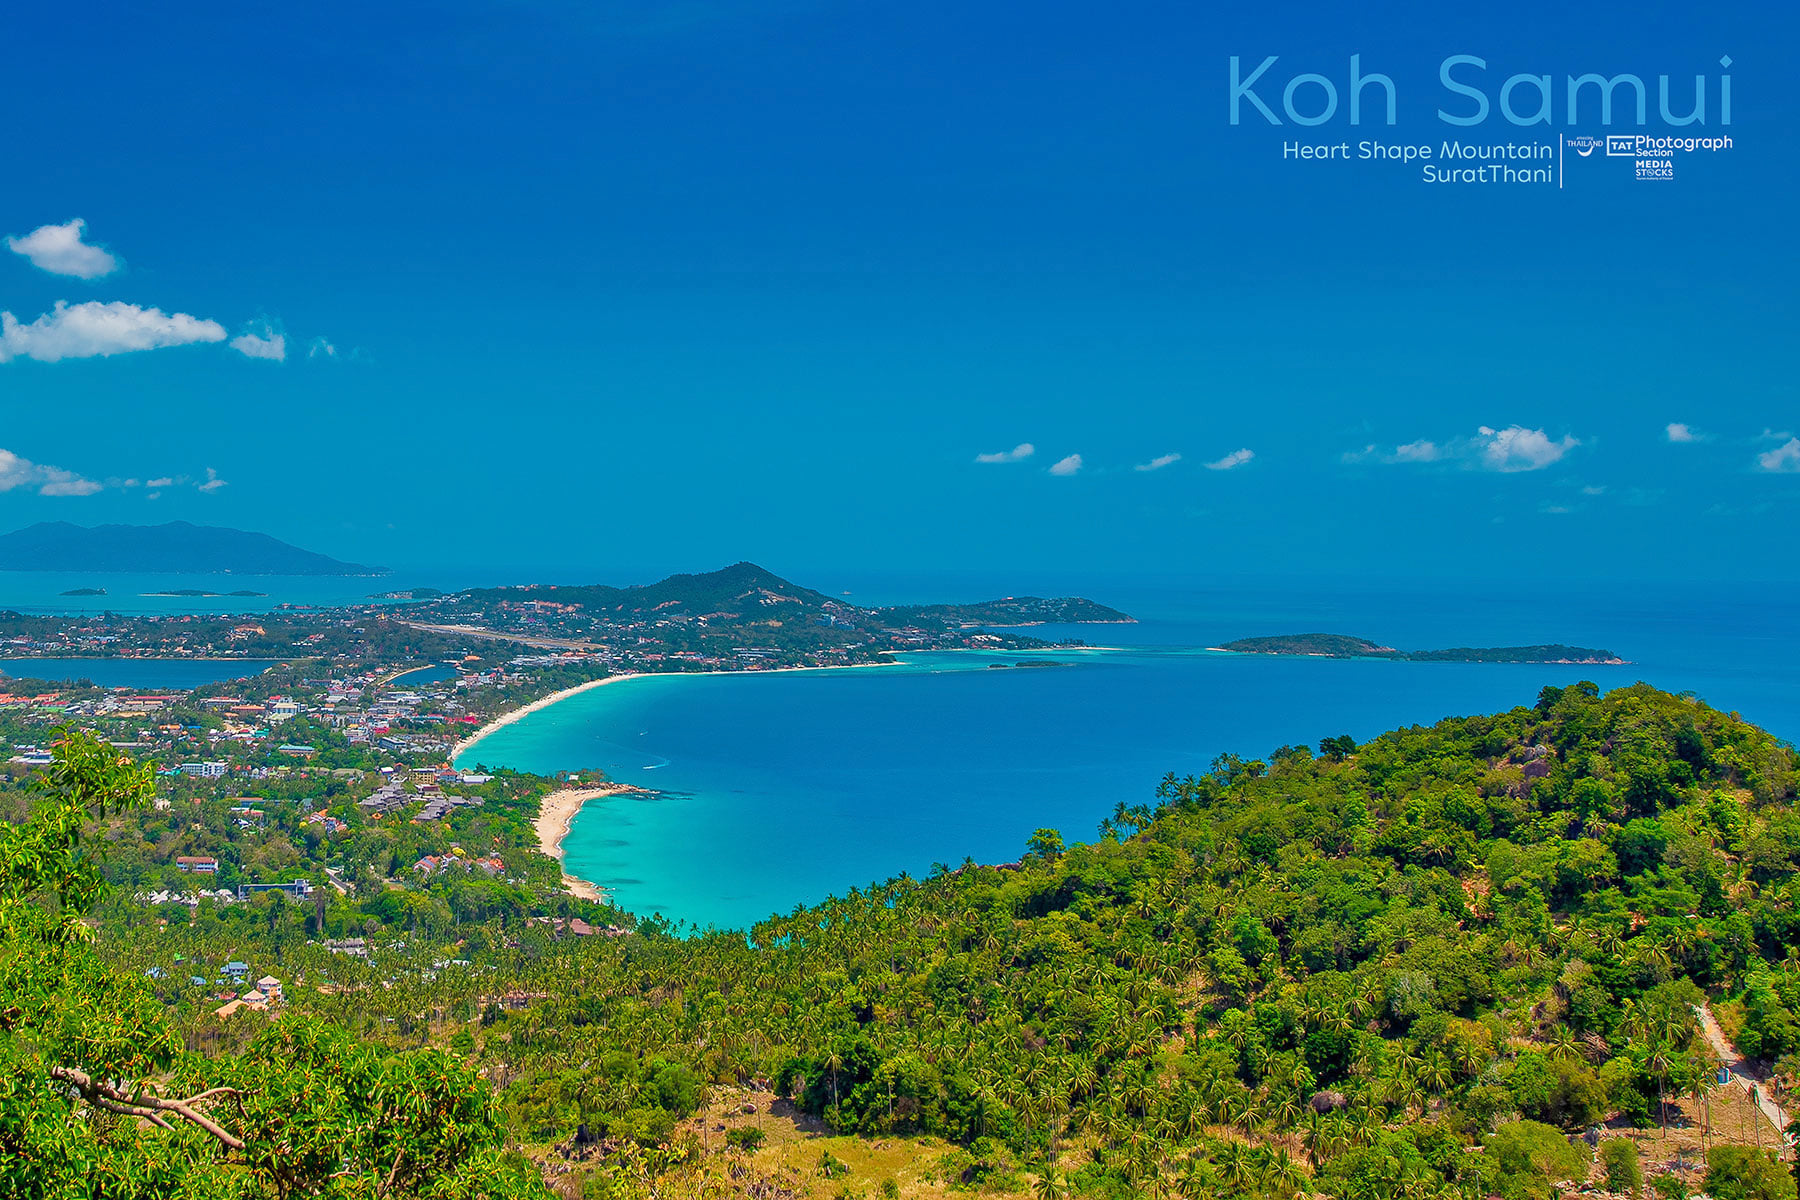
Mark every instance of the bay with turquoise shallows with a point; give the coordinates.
(773, 790)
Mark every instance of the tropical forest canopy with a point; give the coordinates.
(1409, 967)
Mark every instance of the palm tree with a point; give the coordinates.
(834, 1062)
(1564, 1046)
(1191, 1182)
(1190, 1116)
(1283, 1173)
(1237, 1166)
(1436, 1074)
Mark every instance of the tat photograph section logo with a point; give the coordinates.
(1653, 156)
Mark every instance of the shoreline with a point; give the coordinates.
(525, 710)
(556, 816)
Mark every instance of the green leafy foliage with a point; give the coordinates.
(1746, 1173)
(99, 1096)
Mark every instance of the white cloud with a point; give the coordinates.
(1159, 462)
(1018, 453)
(1783, 459)
(1067, 466)
(16, 472)
(1420, 451)
(1508, 450)
(96, 329)
(320, 348)
(60, 250)
(251, 346)
(66, 483)
(1677, 431)
(266, 344)
(1517, 448)
(1236, 458)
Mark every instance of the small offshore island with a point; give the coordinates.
(1338, 645)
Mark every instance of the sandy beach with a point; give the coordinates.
(520, 713)
(556, 813)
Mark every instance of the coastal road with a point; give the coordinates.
(1745, 1074)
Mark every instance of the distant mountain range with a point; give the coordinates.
(177, 547)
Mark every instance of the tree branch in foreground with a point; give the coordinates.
(151, 1108)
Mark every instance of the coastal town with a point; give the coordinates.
(336, 770)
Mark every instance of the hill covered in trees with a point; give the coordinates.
(732, 589)
(1413, 967)
(743, 611)
(746, 591)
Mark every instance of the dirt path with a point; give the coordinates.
(1744, 1073)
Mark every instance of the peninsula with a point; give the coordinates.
(342, 673)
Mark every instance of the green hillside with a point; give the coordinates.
(1407, 968)
(729, 589)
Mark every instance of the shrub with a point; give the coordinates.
(1620, 1158)
(1525, 1157)
(1746, 1173)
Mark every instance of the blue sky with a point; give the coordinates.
(660, 286)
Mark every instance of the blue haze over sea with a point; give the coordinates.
(779, 789)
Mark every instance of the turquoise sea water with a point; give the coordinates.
(779, 789)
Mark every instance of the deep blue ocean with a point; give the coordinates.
(780, 789)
